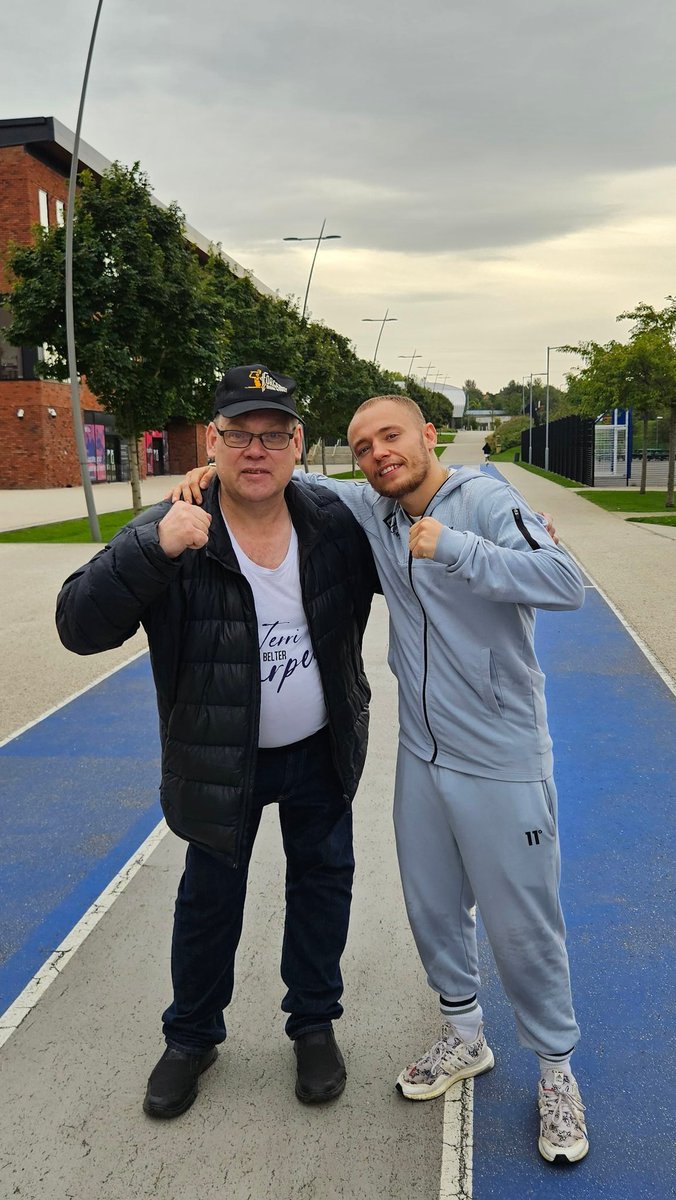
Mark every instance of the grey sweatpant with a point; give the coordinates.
(461, 840)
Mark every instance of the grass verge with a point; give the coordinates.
(70, 531)
(655, 520)
(560, 479)
(626, 499)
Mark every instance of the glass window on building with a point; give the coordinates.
(11, 362)
(156, 444)
(43, 208)
(60, 210)
(107, 457)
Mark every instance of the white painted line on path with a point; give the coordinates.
(52, 968)
(63, 703)
(457, 1142)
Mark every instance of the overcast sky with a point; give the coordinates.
(502, 172)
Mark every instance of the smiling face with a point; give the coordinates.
(254, 474)
(394, 447)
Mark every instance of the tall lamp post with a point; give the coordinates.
(410, 365)
(382, 326)
(70, 319)
(323, 237)
(547, 407)
(530, 413)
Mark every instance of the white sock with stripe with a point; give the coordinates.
(465, 1016)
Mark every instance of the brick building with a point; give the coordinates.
(36, 425)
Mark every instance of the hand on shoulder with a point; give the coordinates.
(192, 485)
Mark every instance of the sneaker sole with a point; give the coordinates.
(421, 1091)
(167, 1114)
(554, 1154)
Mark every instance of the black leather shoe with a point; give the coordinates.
(172, 1086)
(320, 1065)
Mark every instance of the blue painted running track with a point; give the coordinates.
(612, 720)
(80, 795)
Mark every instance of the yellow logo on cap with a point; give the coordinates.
(262, 382)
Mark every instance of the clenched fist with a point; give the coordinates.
(185, 527)
(423, 538)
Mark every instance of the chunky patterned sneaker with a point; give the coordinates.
(449, 1059)
(563, 1133)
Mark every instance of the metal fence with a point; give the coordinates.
(571, 448)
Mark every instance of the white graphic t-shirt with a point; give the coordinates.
(292, 697)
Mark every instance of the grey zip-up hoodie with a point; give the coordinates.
(471, 692)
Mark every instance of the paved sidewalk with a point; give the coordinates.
(37, 506)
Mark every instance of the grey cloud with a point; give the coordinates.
(465, 126)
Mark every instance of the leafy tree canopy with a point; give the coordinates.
(149, 320)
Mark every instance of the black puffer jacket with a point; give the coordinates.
(199, 615)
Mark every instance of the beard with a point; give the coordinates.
(412, 477)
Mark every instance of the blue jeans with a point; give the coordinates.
(316, 824)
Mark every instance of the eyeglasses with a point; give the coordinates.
(240, 439)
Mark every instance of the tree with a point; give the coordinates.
(510, 398)
(509, 432)
(640, 375)
(435, 406)
(150, 326)
(662, 323)
(475, 397)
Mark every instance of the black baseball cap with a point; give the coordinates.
(254, 388)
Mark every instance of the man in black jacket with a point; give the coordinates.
(255, 606)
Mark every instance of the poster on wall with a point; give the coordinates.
(100, 453)
(90, 447)
(95, 446)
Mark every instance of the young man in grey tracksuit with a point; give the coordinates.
(463, 563)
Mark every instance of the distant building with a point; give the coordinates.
(36, 427)
(456, 398)
(484, 418)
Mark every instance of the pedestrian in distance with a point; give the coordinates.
(486, 451)
(255, 606)
(464, 564)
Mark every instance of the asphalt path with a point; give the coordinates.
(80, 797)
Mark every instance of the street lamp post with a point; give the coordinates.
(410, 365)
(549, 348)
(547, 412)
(530, 418)
(70, 318)
(323, 237)
(382, 326)
(530, 413)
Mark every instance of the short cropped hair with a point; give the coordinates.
(397, 398)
